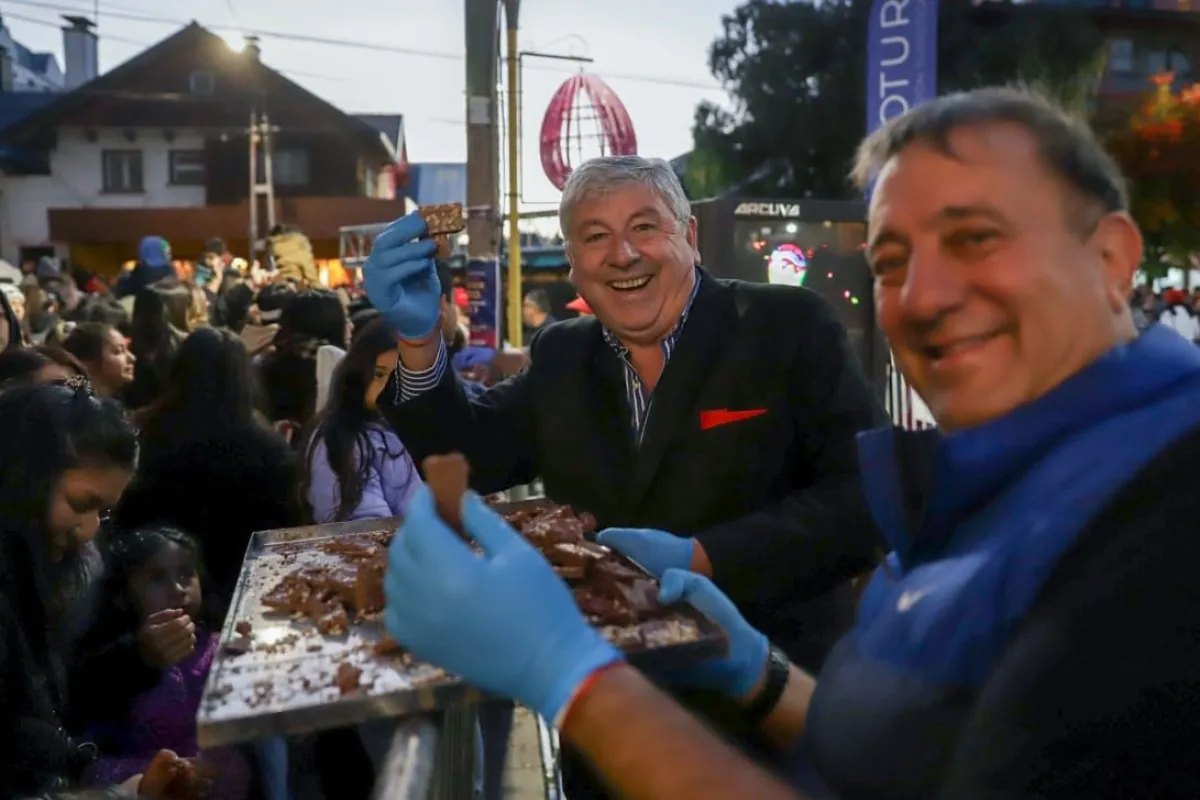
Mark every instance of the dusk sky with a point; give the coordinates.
(653, 54)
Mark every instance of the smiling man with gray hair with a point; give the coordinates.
(720, 411)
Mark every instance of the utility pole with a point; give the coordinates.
(260, 190)
(515, 322)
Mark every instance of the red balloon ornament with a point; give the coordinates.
(585, 119)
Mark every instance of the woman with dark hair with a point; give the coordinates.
(103, 308)
(210, 466)
(12, 335)
(354, 467)
(104, 354)
(316, 318)
(40, 364)
(66, 459)
(159, 324)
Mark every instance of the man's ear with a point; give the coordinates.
(1118, 243)
(692, 238)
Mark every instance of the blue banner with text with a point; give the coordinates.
(901, 58)
(483, 291)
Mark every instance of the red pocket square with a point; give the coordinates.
(723, 416)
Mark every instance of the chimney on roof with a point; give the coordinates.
(253, 50)
(80, 50)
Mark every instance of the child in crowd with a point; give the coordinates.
(155, 576)
(354, 465)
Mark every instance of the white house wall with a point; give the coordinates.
(76, 180)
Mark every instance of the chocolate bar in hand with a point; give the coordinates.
(447, 477)
(442, 220)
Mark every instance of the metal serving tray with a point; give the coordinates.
(286, 683)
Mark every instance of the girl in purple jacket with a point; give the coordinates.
(155, 574)
(354, 467)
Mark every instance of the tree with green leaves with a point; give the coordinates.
(795, 73)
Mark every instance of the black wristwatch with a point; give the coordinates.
(774, 682)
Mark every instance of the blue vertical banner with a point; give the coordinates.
(483, 292)
(901, 58)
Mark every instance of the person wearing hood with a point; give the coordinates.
(153, 264)
(1178, 315)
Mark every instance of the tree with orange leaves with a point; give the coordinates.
(1157, 149)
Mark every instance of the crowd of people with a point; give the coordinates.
(1001, 607)
(154, 424)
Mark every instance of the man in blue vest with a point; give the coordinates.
(1036, 630)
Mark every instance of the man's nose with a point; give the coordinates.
(933, 285)
(624, 253)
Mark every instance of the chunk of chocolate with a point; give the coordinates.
(238, 645)
(368, 585)
(387, 646)
(447, 477)
(442, 220)
(348, 677)
(544, 532)
(603, 609)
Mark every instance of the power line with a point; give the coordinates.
(48, 24)
(359, 45)
(143, 44)
(175, 96)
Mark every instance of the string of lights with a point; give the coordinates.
(130, 15)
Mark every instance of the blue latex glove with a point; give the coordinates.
(657, 551)
(739, 670)
(502, 621)
(401, 279)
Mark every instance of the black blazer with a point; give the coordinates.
(774, 498)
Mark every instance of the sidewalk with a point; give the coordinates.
(523, 777)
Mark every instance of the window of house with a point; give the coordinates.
(201, 82)
(1180, 64)
(1165, 60)
(1156, 62)
(122, 171)
(290, 167)
(187, 167)
(1120, 55)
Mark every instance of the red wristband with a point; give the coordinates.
(582, 689)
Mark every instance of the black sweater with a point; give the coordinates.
(220, 486)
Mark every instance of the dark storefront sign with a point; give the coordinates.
(483, 289)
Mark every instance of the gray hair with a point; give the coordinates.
(600, 176)
(1066, 146)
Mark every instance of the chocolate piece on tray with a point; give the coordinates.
(348, 677)
(442, 220)
(368, 585)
